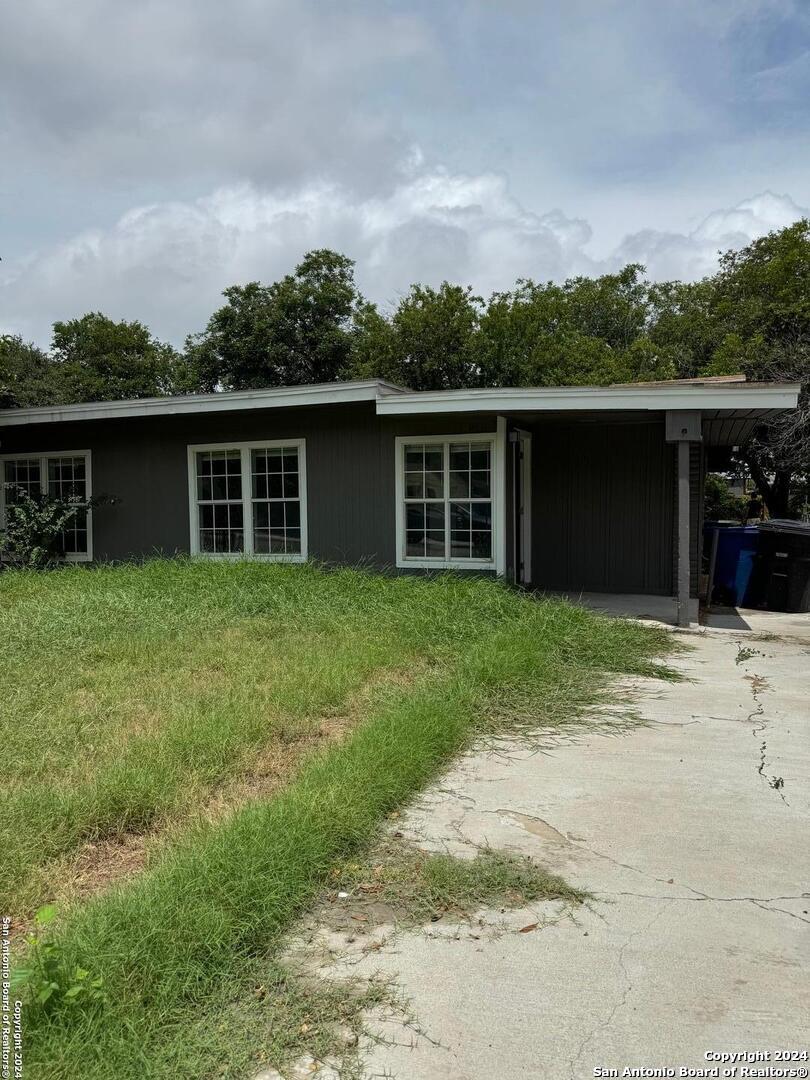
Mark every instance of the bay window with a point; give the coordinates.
(248, 499)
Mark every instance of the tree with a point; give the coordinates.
(752, 316)
(26, 375)
(584, 331)
(297, 330)
(98, 359)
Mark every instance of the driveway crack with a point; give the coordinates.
(603, 1025)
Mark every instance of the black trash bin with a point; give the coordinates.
(783, 565)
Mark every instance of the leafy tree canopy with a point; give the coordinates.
(97, 359)
(297, 330)
(25, 375)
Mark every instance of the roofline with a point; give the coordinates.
(281, 397)
(595, 398)
(393, 400)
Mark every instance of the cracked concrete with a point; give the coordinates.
(696, 938)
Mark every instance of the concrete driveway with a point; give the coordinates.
(693, 834)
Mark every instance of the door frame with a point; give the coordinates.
(521, 505)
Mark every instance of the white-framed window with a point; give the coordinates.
(248, 499)
(448, 491)
(60, 474)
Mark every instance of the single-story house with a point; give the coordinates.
(583, 488)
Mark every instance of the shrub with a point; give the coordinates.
(32, 536)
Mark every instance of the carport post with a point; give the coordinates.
(683, 428)
(683, 533)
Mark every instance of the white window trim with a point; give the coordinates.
(43, 456)
(496, 440)
(247, 500)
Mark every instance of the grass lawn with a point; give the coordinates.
(190, 748)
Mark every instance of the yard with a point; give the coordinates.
(190, 749)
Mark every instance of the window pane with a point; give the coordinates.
(434, 485)
(434, 544)
(415, 543)
(24, 474)
(460, 457)
(292, 515)
(459, 485)
(414, 459)
(480, 485)
(481, 515)
(434, 516)
(460, 545)
(434, 459)
(414, 485)
(276, 501)
(482, 545)
(415, 516)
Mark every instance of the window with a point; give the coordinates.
(248, 499)
(62, 475)
(445, 496)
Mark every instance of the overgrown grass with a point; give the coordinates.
(409, 886)
(138, 689)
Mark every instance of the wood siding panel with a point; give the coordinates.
(603, 511)
(144, 463)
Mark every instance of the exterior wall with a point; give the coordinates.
(144, 463)
(603, 507)
(603, 492)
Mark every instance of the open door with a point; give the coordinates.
(522, 506)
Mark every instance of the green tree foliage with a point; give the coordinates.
(720, 502)
(26, 375)
(297, 330)
(430, 341)
(752, 316)
(97, 359)
(586, 331)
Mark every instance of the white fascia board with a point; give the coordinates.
(282, 398)
(592, 398)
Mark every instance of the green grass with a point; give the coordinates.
(404, 884)
(135, 691)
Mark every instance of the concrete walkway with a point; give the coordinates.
(693, 835)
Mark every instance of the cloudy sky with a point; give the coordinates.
(155, 152)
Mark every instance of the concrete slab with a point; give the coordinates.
(662, 611)
(691, 833)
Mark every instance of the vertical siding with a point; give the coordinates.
(143, 462)
(603, 512)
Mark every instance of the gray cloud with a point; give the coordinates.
(167, 263)
(242, 134)
(264, 89)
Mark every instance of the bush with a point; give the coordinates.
(721, 504)
(32, 536)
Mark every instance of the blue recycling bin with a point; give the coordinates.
(733, 583)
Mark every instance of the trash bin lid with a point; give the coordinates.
(784, 525)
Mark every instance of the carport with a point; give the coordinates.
(603, 486)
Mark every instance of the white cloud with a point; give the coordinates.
(167, 263)
(692, 255)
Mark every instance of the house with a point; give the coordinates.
(583, 488)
